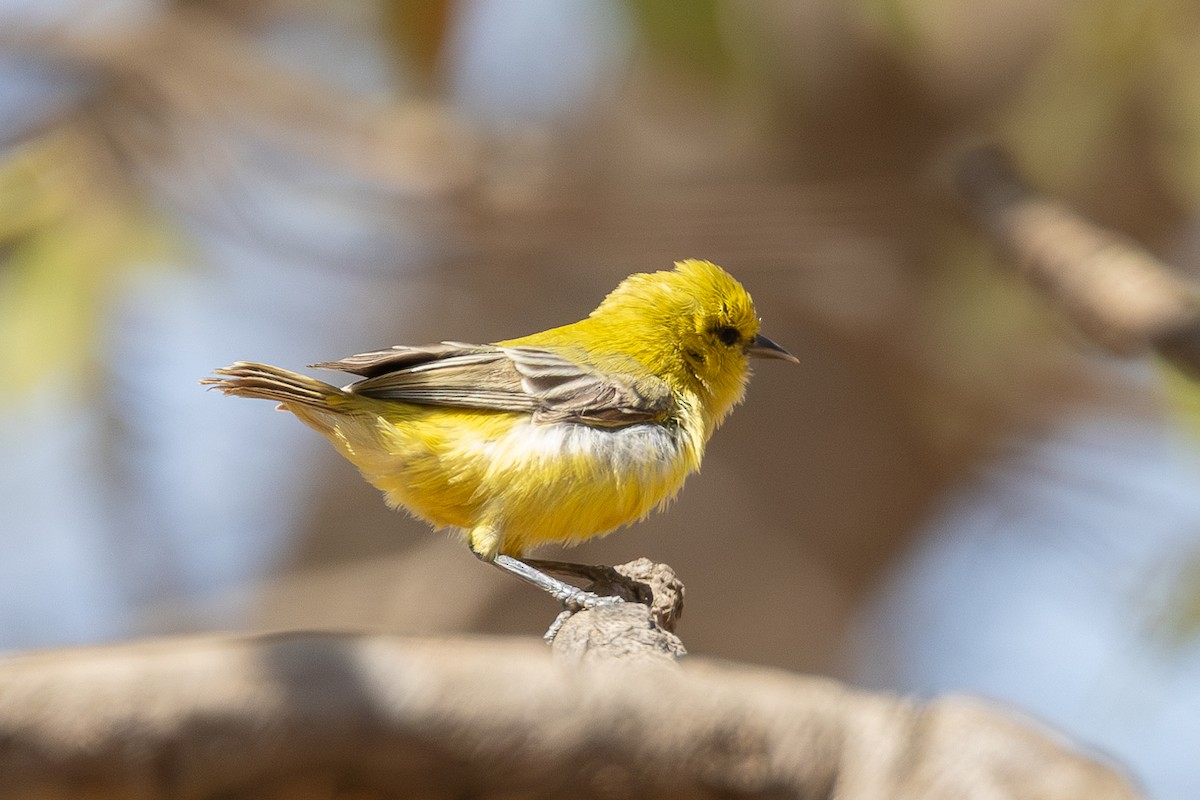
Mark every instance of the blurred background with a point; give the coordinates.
(953, 492)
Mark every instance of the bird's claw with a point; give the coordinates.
(580, 600)
(574, 602)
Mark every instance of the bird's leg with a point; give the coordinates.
(591, 572)
(574, 598)
(534, 571)
(605, 580)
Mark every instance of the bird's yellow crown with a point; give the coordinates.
(692, 325)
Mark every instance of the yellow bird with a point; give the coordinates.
(559, 436)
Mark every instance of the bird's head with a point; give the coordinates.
(695, 325)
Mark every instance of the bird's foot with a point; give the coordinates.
(572, 597)
(582, 600)
(578, 601)
(605, 581)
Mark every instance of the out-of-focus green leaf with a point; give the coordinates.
(30, 197)
(1176, 103)
(984, 340)
(688, 33)
(60, 252)
(1176, 620)
(1183, 393)
(909, 26)
(1071, 105)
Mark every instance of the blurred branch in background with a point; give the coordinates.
(1126, 300)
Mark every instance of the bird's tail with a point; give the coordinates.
(247, 379)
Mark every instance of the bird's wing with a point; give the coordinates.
(568, 391)
(380, 362)
(545, 384)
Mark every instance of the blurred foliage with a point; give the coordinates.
(976, 324)
(1174, 623)
(1178, 624)
(690, 35)
(1184, 397)
(1175, 93)
(1062, 121)
(66, 235)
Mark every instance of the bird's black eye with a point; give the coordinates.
(727, 334)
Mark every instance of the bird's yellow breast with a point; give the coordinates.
(529, 483)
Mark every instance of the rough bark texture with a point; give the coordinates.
(642, 628)
(307, 715)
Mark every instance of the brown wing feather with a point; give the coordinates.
(567, 391)
(521, 379)
(400, 357)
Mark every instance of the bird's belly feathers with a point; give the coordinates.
(535, 483)
(581, 481)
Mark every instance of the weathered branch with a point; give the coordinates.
(1114, 291)
(314, 716)
(642, 628)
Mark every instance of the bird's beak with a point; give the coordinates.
(765, 348)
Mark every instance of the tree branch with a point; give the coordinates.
(1115, 292)
(319, 715)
